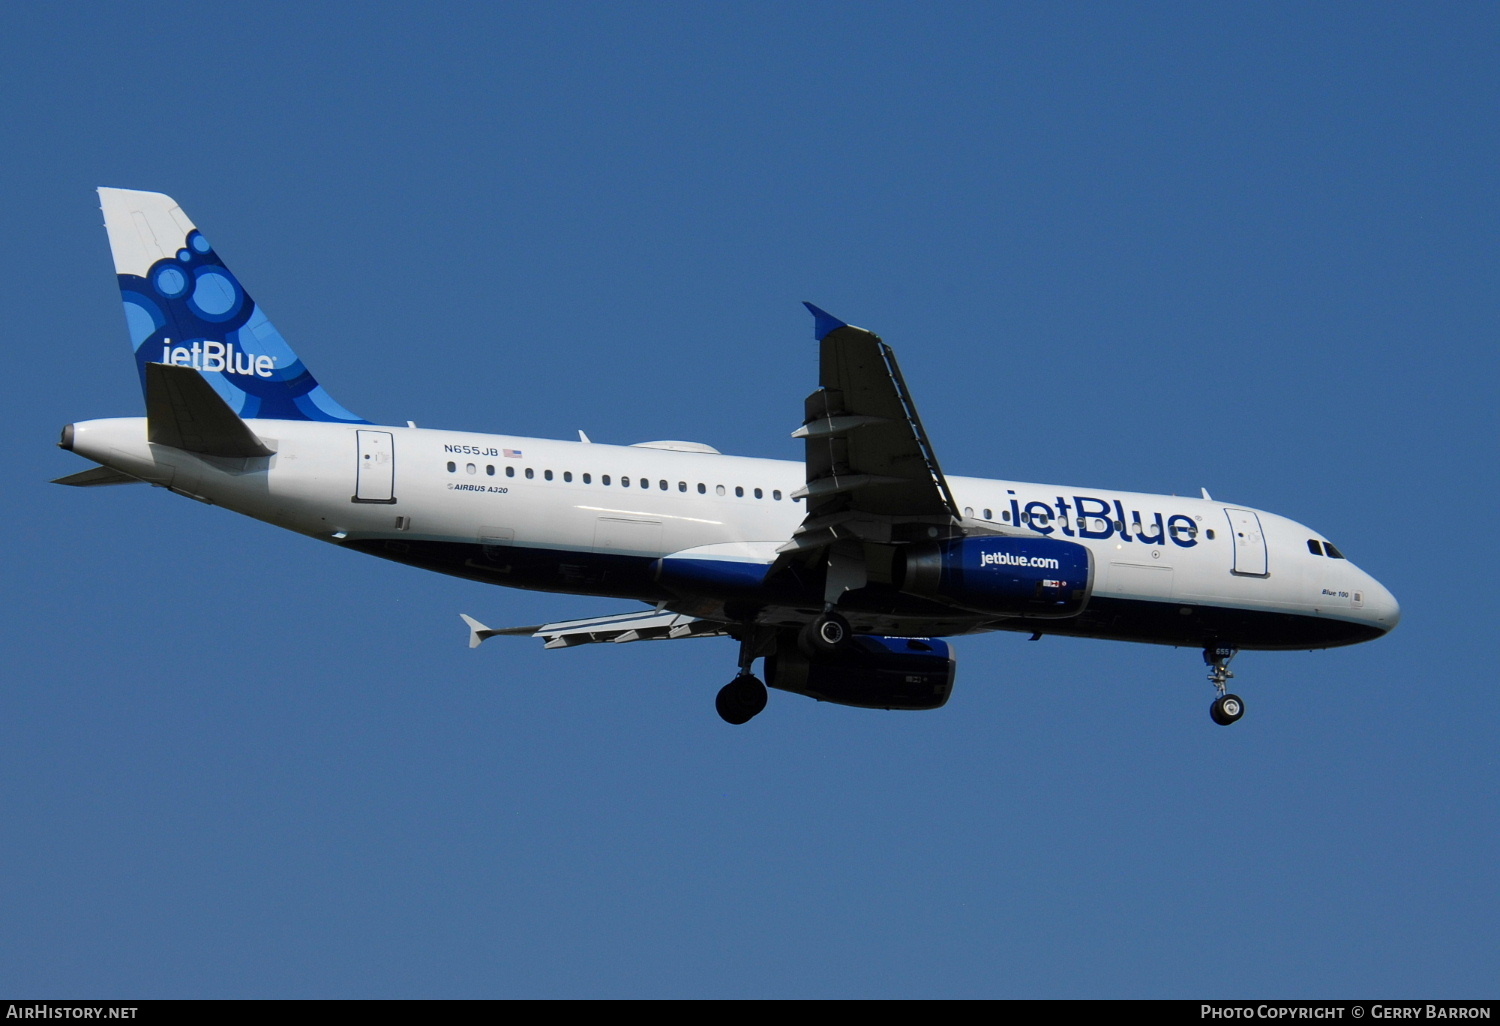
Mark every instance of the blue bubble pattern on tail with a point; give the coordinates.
(190, 310)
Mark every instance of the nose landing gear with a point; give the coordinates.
(1227, 708)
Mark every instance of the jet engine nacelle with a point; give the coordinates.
(1042, 577)
(872, 673)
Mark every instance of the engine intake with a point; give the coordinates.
(1042, 577)
(873, 673)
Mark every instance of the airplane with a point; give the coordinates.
(843, 573)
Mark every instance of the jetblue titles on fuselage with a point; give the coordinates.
(1090, 517)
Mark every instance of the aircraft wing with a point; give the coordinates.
(645, 625)
(871, 472)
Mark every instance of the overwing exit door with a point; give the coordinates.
(375, 475)
(1249, 542)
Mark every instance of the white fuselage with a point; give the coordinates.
(406, 486)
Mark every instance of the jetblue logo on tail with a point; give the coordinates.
(217, 356)
(185, 308)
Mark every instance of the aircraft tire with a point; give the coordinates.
(825, 636)
(1227, 709)
(741, 700)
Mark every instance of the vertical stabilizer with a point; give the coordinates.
(185, 308)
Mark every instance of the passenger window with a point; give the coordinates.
(1335, 553)
(646, 482)
(1209, 532)
(530, 473)
(489, 469)
(510, 471)
(969, 511)
(1026, 519)
(739, 492)
(1314, 547)
(988, 515)
(471, 468)
(452, 467)
(567, 475)
(1005, 515)
(718, 489)
(702, 488)
(776, 494)
(663, 485)
(624, 482)
(547, 474)
(759, 494)
(604, 479)
(682, 486)
(588, 479)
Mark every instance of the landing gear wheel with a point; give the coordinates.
(741, 699)
(825, 636)
(1226, 709)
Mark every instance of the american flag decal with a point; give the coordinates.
(511, 454)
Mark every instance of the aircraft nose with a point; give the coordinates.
(1381, 606)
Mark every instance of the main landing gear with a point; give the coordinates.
(741, 699)
(1226, 708)
(825, 636)
(744, 698)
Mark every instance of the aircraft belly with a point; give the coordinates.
(1198, 625)
(514, 565)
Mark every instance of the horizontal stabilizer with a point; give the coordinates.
(184, 411)
(646, 625)
(479, 633)
(97, 476)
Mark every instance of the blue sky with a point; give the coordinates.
(1154, 246)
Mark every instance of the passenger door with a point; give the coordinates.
(1249, 542)
(375, 474)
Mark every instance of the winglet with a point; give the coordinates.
(824, 323)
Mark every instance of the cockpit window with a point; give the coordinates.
(1314, 547)
(1335, 553)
